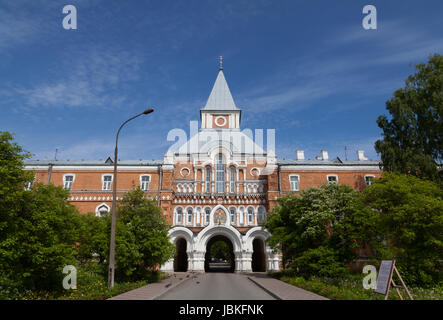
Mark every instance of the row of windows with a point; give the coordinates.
(181, 217)
(68, 180)
(331, 179)
(250, 188)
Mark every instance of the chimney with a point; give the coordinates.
(361, 155)
(300, 155)
(324, 154)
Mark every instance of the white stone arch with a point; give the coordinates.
(255, 233)
(211, 217)
(211, 231)
(102, 205)
(213, 148)
(182, 232)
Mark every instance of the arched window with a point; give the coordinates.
(220, 174)
(102, 210)
(179, 215)
(261, 214)
(207, 214)
(232, 179)
(208, 179)
(232, 213)
(250, 215)
(190, 215)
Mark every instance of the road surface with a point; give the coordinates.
(217, 286)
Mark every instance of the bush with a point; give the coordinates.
(320, 261)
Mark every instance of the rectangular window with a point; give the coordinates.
(67, 182)
(332, 179)
(369, 180)
(294, 183)
(28, 185)
(144, 183)
(107, 182)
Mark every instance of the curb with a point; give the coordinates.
(276, 296)
(169, 288)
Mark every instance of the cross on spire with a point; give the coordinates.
(221, 62)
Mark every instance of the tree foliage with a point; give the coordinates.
(413, 139)
(38, 227)
(141, 243)
(319, 224)
(409, 215)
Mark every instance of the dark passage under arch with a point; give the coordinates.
(181, 257)
(222, 262)
(258, 256)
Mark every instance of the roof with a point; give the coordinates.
(92, 162)
(336, 161)
(220, 97)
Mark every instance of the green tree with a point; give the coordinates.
(145, 221)
(38, 227)
(320, 226)
(409, 215)
(220, 250)
(413, 139)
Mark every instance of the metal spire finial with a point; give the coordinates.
(221, 62)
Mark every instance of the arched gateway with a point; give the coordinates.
(242, 246)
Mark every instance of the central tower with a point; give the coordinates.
(220, 111)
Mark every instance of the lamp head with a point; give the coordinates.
(148, 111)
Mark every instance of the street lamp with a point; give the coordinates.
(111, 270)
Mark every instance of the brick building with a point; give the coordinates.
(219, 185)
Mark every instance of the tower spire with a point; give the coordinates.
(221, 62)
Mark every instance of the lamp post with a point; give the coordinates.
(111, 269)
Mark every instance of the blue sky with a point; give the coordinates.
(305, 68)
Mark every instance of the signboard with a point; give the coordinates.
(384, 277)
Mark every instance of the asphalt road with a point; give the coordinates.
(217, 286)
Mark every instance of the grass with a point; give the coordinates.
(352, 288)
(91, 285)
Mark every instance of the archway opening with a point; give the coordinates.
(219, 255)
(181, 257)
(258, 256)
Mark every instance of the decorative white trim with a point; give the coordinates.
(253, 175)
(97, 211)
(220, 117)
(181, 172)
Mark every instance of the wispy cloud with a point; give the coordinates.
(86, 81)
